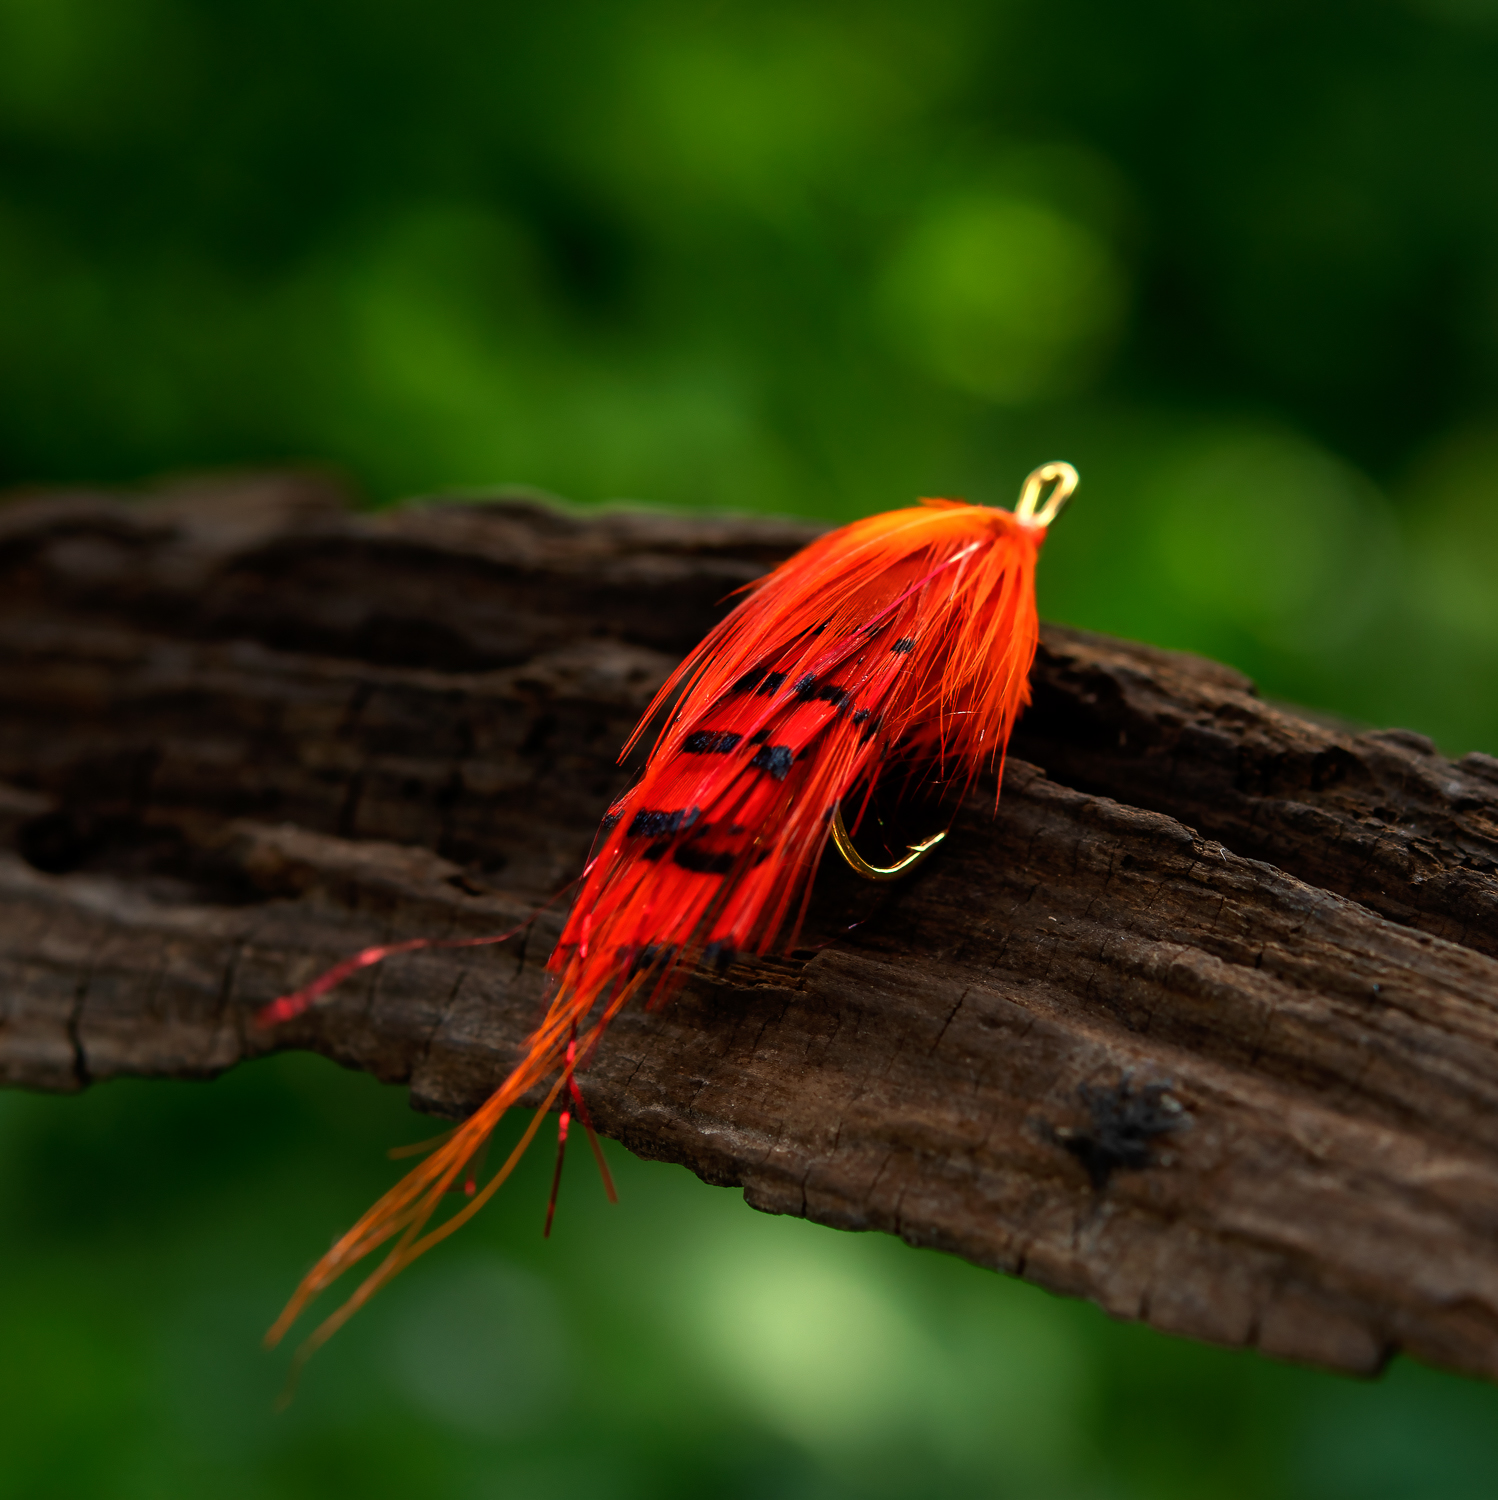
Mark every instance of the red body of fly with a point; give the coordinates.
(903, 639)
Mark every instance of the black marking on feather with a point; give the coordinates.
(870, 729)
(773, 683)
(651, 956)
(762, 738)
(651, 825)
(719, 956)
(751, 679)
(711, 742)
(904, 644)
(702, 861)
(610, 822)
(809, 689)
(862, 714)
(776, 759)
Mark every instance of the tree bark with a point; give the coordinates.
(1203, 1025)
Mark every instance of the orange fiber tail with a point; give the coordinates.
(408, 1208)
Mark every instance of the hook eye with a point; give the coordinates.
(860, 866)
(1066, 480)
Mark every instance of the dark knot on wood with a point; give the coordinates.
(1123, 1123)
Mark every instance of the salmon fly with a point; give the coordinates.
(901, 641)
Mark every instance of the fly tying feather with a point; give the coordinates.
(902, 640)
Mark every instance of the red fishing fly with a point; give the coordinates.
(902, 640)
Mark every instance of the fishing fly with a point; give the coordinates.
(899, 645)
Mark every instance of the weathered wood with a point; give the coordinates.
(1225, 1059)
(1379, 817)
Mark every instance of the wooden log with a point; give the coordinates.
(1203, 1025)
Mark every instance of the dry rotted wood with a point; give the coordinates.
(1204, 1026)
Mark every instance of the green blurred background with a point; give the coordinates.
(1236, 261)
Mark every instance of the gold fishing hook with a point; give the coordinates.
(1066, 481)
(860, 866)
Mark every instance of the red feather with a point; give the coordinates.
(905, 638)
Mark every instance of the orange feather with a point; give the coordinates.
(905, 638)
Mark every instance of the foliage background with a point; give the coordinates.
(1236, 259)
